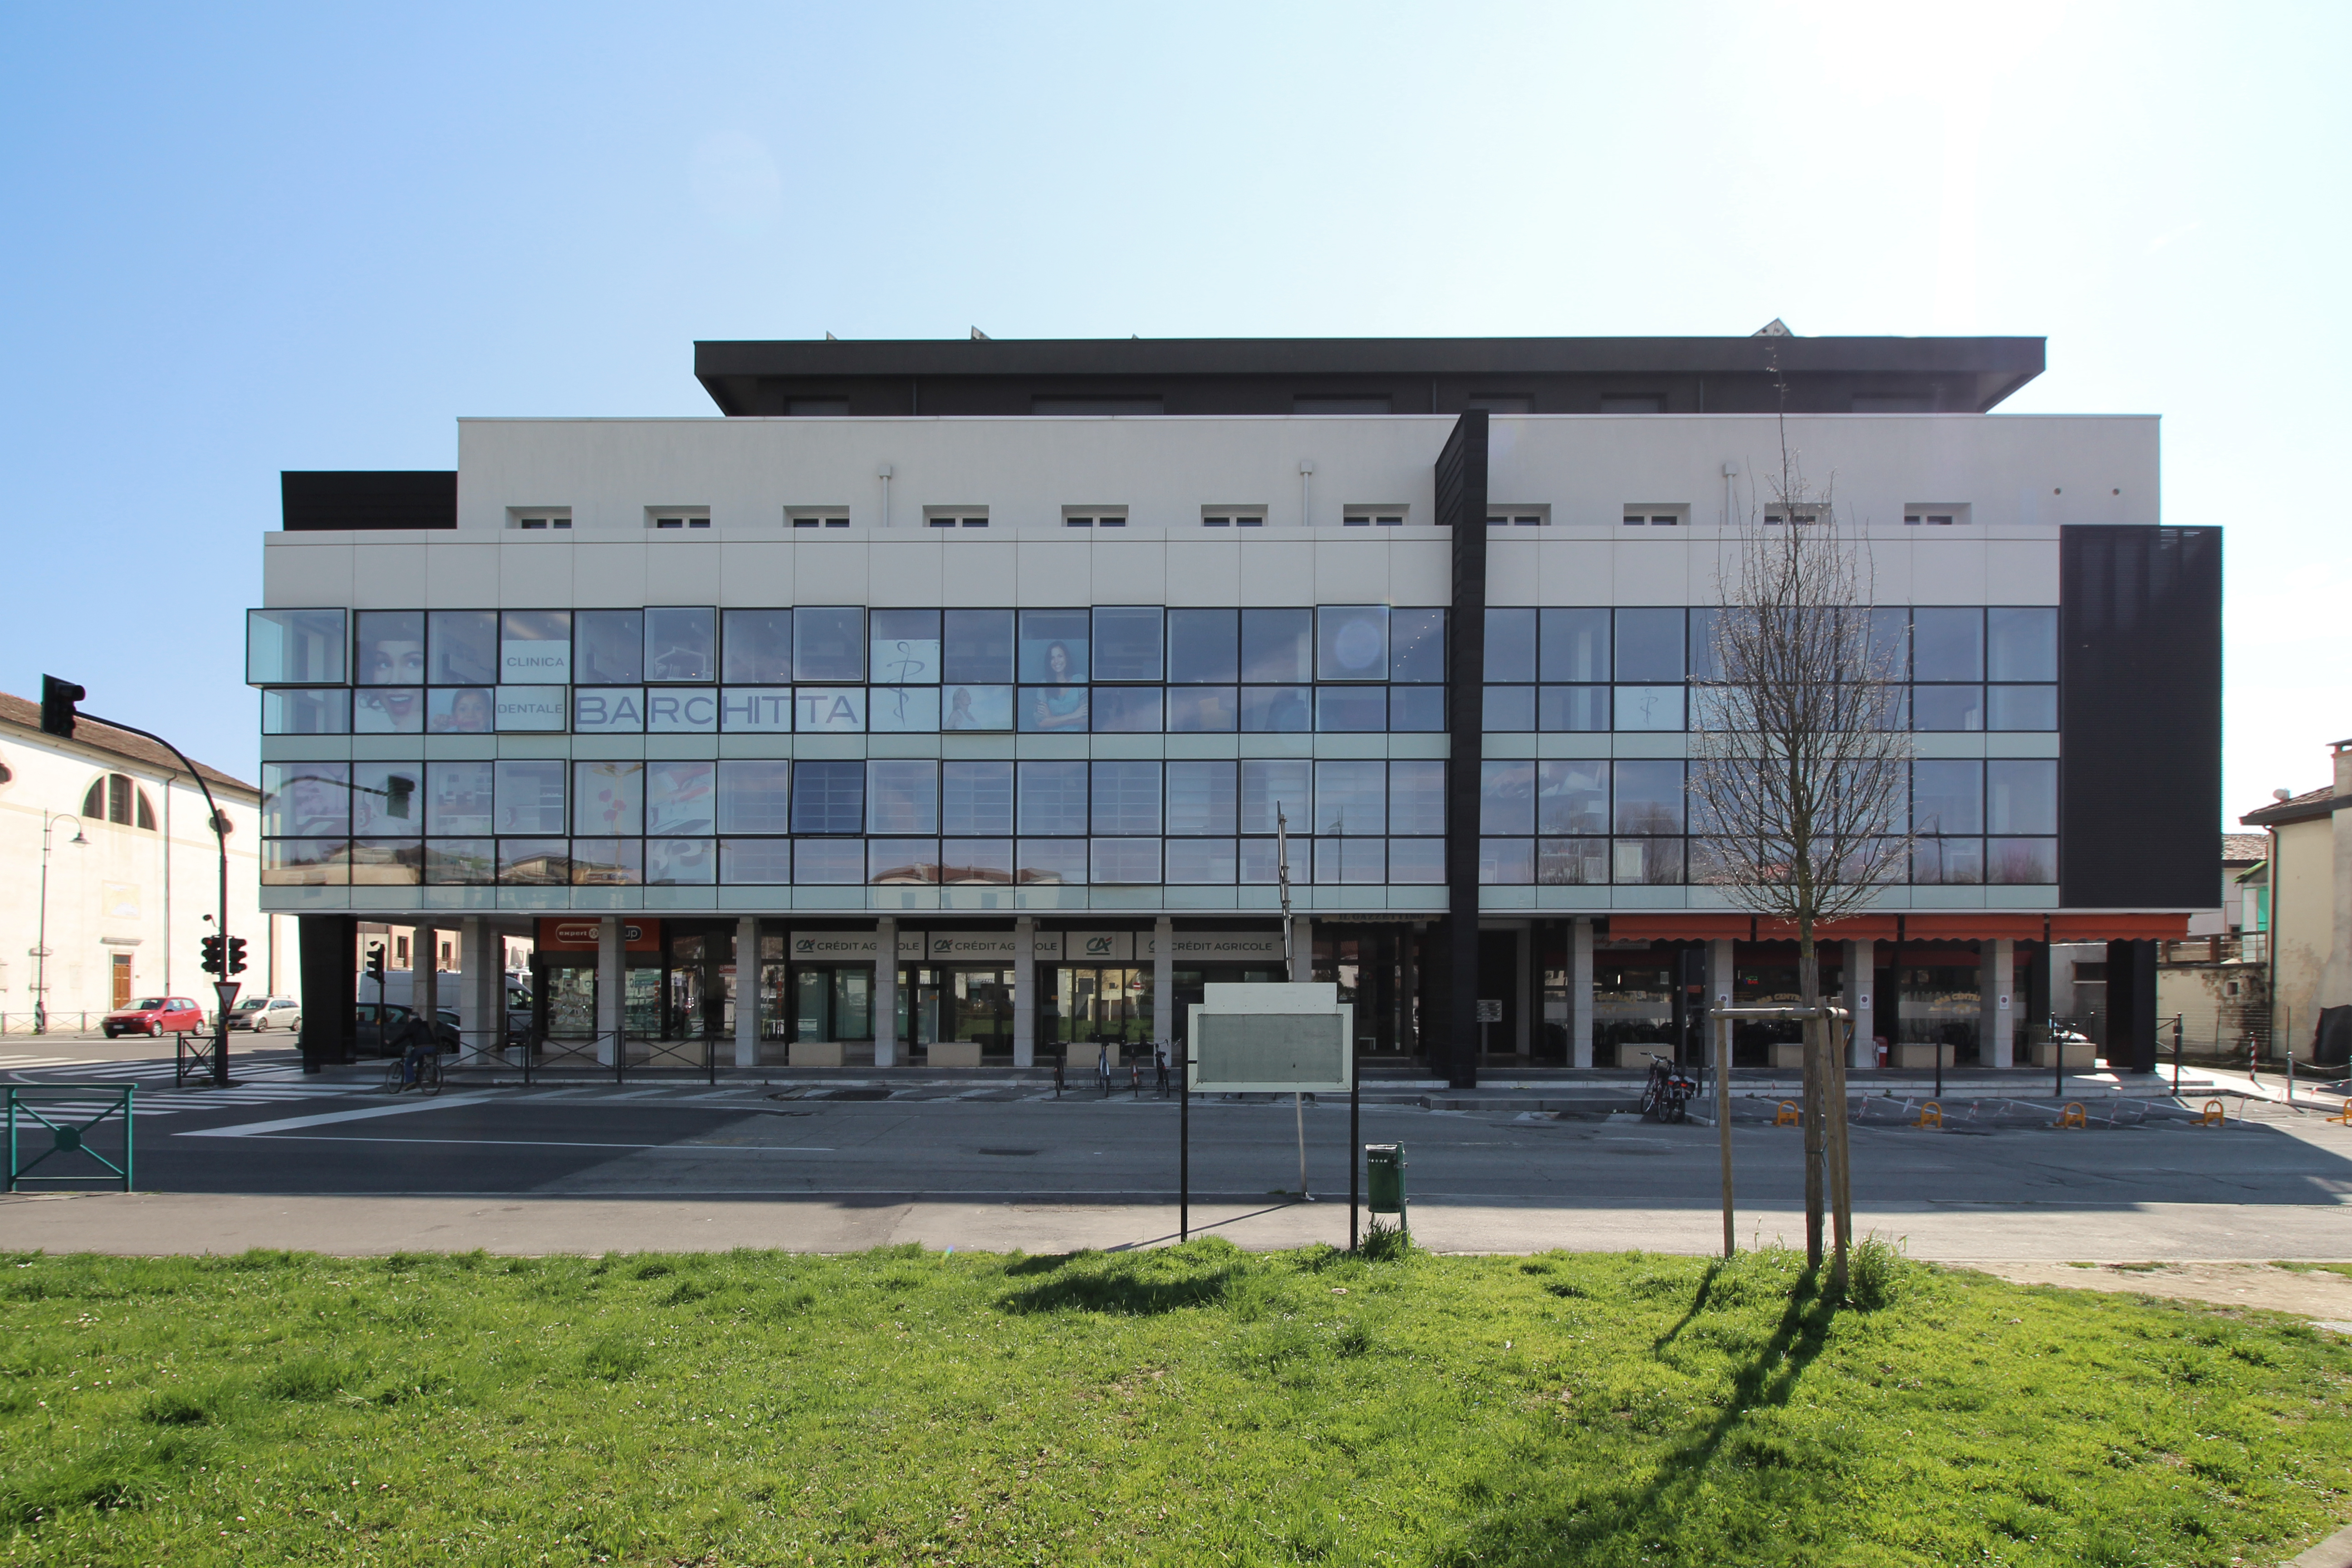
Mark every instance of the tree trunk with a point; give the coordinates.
(1809, 992)
(1840, 1043)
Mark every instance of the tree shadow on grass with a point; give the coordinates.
(1129, 1283)
(1698, 1305)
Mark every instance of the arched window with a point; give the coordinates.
(115, 798)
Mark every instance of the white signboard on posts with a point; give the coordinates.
(1271, 1039)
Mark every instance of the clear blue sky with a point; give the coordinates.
(242, 239)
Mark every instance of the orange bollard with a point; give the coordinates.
(2071, 1116)
(1930, 1115)
(2215, 1114)
(1789, 1115)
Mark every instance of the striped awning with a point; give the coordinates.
(1941, 925)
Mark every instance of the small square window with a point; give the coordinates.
(1094, 517)
(1776, 518)
(539, 516)
(677, 517)
(955, 515)
(1519, 516)
(1656, 514)
(1372, 516)
(816, 517)
(1934, 514)
(1232, 517)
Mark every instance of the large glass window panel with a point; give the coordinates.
(1054, 646)
(682, 644)
(528, 796)
(1511, 644)
(1946, 643)
(681, 862)
(306, 800)
(1890, 644)
(757, 647)
(468, 709)
(1649, 707)
(1129, 862)
(901, 862)
(828, 796)
(1506, 796)
(1346, 710)
(1416, 709)
(976, 862)
(324, 711)
(1948, 796)
(535, 648)
(681, 797)
(388, 710)
(608, 646)
(1053, 797)
(1277, 646)
(460, 862)
(464, 647)
(1269, 781)
(608, 862)
(976, 708)
(1203, 710)
(2022, 861)
(902, 795)
(388, 799)
(829, 710)
(1125, 710)
(2021, 643)
(1948, 862)
(905, 648)
(2020, 708)
(1573, 797)
(1050, 861)
(2021, 795)
(1417, 646)
(546, 708)
(1418, 862)
(1351, 860)
(1274, 709)
(1650, 644)
(1506, 862)
(1417, 797)
(1352, 642)
(1203, 646)
(976, 648)
(1127, 642)
(391, 649)
(1204, 798)
(1126, 797)
(755, 862)
(1947, 707)
(1575, 645)
(1572, 862)
(1653, 862)
(1193, 862)
(1053, 709)
(1507, 709)
(828, 862)
(1649, 796)
(1261, 860)
(306, 862)
(294, 648)
(976, 799)
(742, 709)
(1701, 664)
(1572, 708)
(534, 862)
(828, 643)
(608, 798)
(1351, 798)
(457, 799)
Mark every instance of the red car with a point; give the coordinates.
(153, 1015)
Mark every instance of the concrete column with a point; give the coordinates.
(1025, 992)
(479, 1031)
(886, 992)
(425, 973)
(1861, 967)
(748, 996)
(1580, 993)
(1996, 1009)
(1164, 1021)
(1720, 985)
(1408, 988)
(1302, 947)
(612, 987)
(1523, 957)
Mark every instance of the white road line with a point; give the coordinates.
(256, 1129)
(549, 1144)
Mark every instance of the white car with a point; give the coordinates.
(260, 1013)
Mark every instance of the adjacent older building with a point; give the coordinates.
(960, 703)
(2304, 902)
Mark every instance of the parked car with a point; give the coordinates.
(153, 1015)
(260, 1013)
(375, 1023)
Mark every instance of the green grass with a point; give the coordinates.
(2343, 1268)
(1191, 1406)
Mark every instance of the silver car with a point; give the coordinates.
(260, 1013)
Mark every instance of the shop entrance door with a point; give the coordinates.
(1101, 1006)
(571, 992)
(833, 1001)
(971, 1006)
(121, 981)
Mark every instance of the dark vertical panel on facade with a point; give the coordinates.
(2131, 1006)
(1462, 507)
(2140, 717)
(330, 960)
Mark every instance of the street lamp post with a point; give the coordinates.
(41, 942)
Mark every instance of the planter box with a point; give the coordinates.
(1638, 1056)
(2080, 1054)
(815, 1054)
(1788, 1056)
(1914, 1057)
(954, 1053)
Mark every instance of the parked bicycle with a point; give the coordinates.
(1667, 1096)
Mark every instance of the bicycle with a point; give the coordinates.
(428, 1075)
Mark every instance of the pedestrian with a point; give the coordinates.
(1160, 1069)
(1102, 1065)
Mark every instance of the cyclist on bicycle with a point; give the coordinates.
(419, 1047)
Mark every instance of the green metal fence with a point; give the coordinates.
(59, 1119)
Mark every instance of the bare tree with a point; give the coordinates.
(1800, 780)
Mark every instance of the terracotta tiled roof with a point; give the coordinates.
(2297, 808)
(17, 714)
(2244, 848)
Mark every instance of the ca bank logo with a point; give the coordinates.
(803, 945)
(1099, 947)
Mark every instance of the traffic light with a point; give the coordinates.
(57, 699)
(236, 955)
(212, 955)
(376, 962)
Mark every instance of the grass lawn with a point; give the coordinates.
(1191, 1406)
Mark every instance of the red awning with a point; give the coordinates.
(1854, 928)
(1681, 927)
(1959, 926)
(2118, 927)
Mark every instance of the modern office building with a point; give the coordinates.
(960, 701)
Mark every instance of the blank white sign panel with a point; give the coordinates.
(1265, 1051)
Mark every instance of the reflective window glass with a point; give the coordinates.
(904, 710)
(388, 799)
(1506, 862)
(1657, 862)
(1649, 707)
(528, 796)
(1054, 646)
(1417, 861)
(753, 797)
(1124, 862)
(1701, 664)
(457, 799)
(391, 647)
(1359, 862)
(467, 709)
(1268, 781)
(757, 646)
(680, 644)
(1947, 707)
(460, 862)
(1511, 644)
(1506, 792)
(827, 797)
(1572, 708)
(681, 796)
(464, 645)
(1504, 709)
(1417, 646)
(389, 710)
(1649, 796)
(1352, 642)
(1650, 644)
(1276, 645)
(1417, 797)
(1193, 862)
(976, 708)
(828, 862)
(1350, 797)
(608, 646)
(306, 799)
(1575, 645)
(681, 862)
(1050, 861)
(2022, 796)
(1571, 862)
(1126, 797)
(1276, 708)
(2029, 861)
(2022, 643)
(976, 862)
(906, 648)
(902, 795)
(1125, 710)
(1947, 644)
(976, 646)
(1352, 709)
(1203, 710)
(1947, 798)
(899, 861)
(1954, 862)
(755, 862)
(1416, 709)
(1053, 797)
(534, 862)
(535, 648)
(2020, 708)
(1890, 644)
(976, 799)
(326, 711)
(829, 643)
(295, 647)
(608, 798)
(1051, 710)
(1260, 860)
(1203, 646)
(1203, 798)
(1128, 640)
(1573, 797)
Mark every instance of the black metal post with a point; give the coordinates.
(1184, 1150)
(2058, 1063)
(1355, 1149)
(2176, 1053)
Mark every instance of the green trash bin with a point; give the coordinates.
(1384, 1180)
